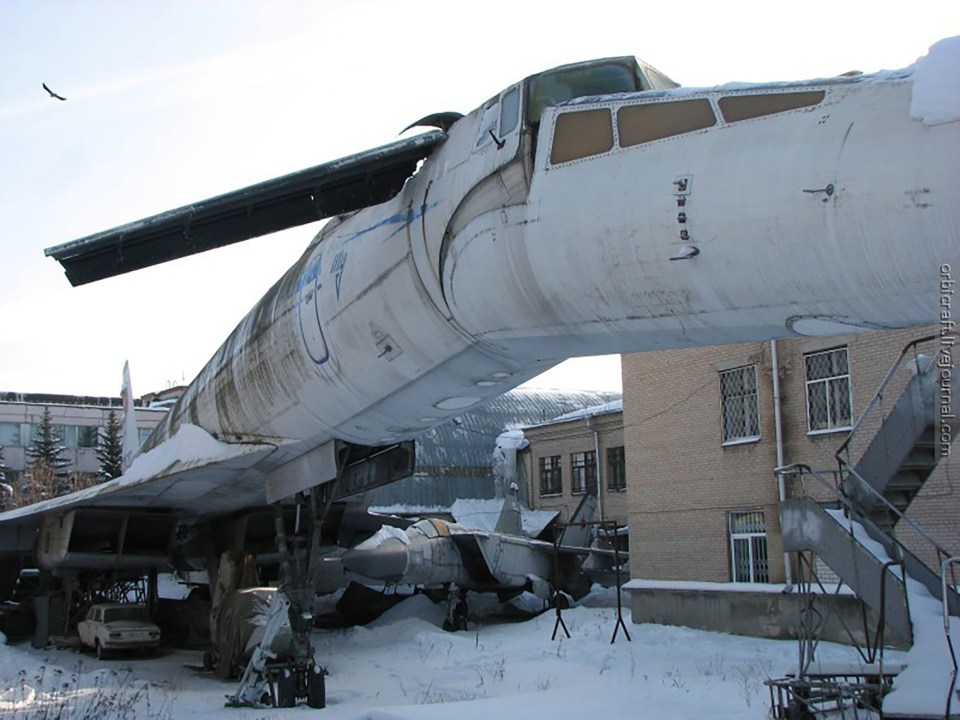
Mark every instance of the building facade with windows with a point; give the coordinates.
(703, 436)
(561, 462)
(76, 420)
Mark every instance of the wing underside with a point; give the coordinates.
(319, 192)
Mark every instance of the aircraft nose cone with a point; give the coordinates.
(387, 562)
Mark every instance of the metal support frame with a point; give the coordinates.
(559, 599)
(808, 692)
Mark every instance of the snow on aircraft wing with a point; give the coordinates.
(192, 474)
(196, 478)
(350, 183)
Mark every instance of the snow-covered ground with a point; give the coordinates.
(404, 665)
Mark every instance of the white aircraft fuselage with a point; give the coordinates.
(616, 223)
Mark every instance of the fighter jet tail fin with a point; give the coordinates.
(510, 522)
(579, 533)
(131, 436)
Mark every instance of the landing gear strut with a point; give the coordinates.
(459, 611)
(281, 681)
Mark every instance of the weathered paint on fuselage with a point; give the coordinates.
(491, 265)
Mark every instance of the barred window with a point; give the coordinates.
(829, 406)
(748, 547)
(616, 469)
(550, 475)
(740, 408)
(583, 472)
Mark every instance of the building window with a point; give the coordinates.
(58, 432)
(740, 408)
(10, 434)
(616, 469)
(828, 391)
(143, 434)
(748, 547)
(583, 469)
(87, 436)
(550, 475)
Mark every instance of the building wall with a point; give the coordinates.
(684, 482)
(19, 416)
(563, 438)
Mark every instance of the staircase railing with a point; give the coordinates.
(843, 452)
(914, 566)
(949, 562)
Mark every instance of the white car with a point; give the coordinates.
(117, 626)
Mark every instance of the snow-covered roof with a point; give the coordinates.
(614, 406)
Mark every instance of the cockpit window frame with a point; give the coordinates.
(575, 81)
(510, 104)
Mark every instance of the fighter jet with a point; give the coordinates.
(434, 553)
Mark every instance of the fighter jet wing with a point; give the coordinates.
(319, 192)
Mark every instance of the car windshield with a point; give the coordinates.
(120, 614)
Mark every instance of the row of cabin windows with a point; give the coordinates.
(827, 389)
(585, 133)
(70, 436)
(583, 472)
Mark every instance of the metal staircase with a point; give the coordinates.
(902, 454)
(847, 519)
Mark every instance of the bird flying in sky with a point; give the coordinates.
(52, 93)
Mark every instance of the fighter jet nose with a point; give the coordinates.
(386, 562)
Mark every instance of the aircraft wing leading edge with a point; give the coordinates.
(350, 183)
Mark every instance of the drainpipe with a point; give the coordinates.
(778, 429)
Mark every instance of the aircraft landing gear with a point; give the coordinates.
(458, 612)
(282, 681)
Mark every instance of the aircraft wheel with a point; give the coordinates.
(316, 688)
(286, 689)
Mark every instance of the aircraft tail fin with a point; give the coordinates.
(510, 522)
(578, 533)
(131, 436)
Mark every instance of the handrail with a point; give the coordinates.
(876, 397)
(804, 469)
(900, 516)
(946, 629)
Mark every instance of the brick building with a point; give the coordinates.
(700, 428)
(561, 462)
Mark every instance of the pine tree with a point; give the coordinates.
(47, 448)
(110, 449)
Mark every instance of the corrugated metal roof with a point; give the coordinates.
(613, 406)
(454, 459)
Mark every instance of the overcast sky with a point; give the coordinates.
(174, 101)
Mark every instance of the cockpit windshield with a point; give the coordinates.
(572, 81)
